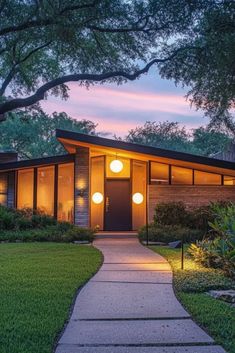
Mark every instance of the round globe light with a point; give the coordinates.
(97, 197)
(116, 166)
(138, 198)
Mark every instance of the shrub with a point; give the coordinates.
(218, 252)
(168, 233)
(172, 213)
(42, 220)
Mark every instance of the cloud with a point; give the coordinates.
(117, 109)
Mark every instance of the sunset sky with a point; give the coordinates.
(117, 109)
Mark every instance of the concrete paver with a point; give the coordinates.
(134, 276)
(193, 349)
(98, 300)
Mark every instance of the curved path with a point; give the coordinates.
(129, 307)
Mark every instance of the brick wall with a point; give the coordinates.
(81, 206)
(192, 196)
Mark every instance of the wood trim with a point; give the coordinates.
(35, 188)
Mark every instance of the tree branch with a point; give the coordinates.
(40, 93)
(44, 22)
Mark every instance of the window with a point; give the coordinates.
(181, 175)
(125, 171)
(25, 188)
(159, 173)
(97, 187)
(204, 178)
(139, 171)
(3, 189)
(65, 210)
(229, 180)
(45, 190)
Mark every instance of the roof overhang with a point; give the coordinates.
(99, 145)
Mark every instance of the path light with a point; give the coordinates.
(138, 198)
(97, 197)
(116, 166)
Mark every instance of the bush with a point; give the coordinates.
(218, 252)
(23, 225)
(168, 233)
(172, 213)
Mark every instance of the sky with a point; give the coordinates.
(117, 109)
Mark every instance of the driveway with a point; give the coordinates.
(129, 306)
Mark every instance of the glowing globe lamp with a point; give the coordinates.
(97, 197)
(138, 198)
(116, 166)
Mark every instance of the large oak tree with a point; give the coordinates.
(45, 44)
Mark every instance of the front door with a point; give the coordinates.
(118, 205)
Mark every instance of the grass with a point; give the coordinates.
(216, 317)
(38, 282)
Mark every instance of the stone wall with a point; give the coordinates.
(81, 198)
(192, 196)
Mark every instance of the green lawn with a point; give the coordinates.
(38, 282)
(216, 317)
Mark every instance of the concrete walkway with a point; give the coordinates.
(129, 307)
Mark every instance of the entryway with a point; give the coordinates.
(117, 205)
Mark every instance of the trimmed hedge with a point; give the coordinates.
(168, 233)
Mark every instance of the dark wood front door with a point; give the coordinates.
(118, 205)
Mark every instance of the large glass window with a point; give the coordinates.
(139, 171)
(205, 178)
(181, 175)
(25, 188)
(65, 209)
(229, 180)
(45, 190)
(3, 188)
(97, 192)
(159, 173)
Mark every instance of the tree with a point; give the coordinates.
(167, 135)
(203, 140)
(32, 135)
(209, 72)
(45, 44)
(207, 141)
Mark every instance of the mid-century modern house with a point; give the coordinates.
(112, 184)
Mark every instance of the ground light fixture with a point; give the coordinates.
(116, 166)
(138, 198)
(97, 197)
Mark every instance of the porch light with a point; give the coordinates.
(116, 166)
(97, 197)
(138, 198)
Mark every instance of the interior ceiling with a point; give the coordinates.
(70, 146)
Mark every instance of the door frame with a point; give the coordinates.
(130, 196)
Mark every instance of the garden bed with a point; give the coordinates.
(191, 285)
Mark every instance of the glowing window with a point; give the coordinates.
(159, 173)
(65, 208)
(45, 190)
(204, 178)
(181, 176)
(25, 188)
(229, 180)
(3, 189)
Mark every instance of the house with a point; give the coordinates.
(113, 184)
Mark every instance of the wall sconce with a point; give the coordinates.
(138, 198)
(81, 192)
(97, 197)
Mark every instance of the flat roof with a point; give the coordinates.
(143, 149)
(37, 162)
